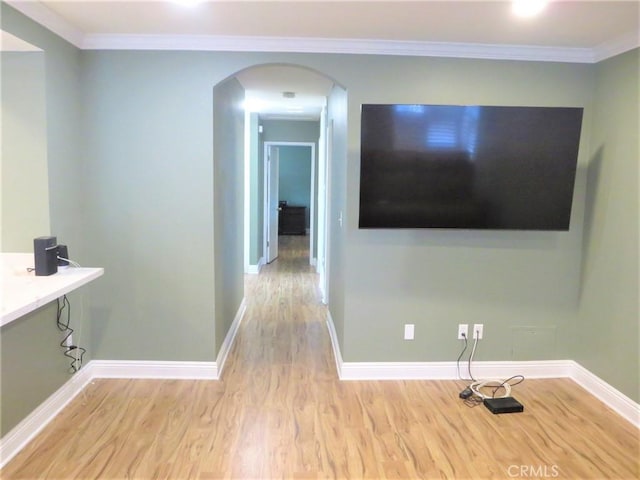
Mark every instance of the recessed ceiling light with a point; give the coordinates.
(187, 3)
(528, 8)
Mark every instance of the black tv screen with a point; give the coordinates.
(471, 167)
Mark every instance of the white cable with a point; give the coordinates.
(75, 264)
(473, 352)
(476, 387)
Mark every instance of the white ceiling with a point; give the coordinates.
(265, 88)
(567, 30)
(563, 23)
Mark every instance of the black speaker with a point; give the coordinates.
(63, 252)
(45, 251)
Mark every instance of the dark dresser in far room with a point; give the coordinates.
(291, 220)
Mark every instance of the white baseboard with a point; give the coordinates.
(16, 439)
(27, 429)
(334, 343)
(153, 369)
(448, 370)
(255, 269)
(230, 337)
(614, 399)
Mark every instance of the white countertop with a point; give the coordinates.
(22, 292)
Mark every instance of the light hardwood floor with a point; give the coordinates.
(280, 412)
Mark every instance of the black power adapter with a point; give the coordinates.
(466, 393)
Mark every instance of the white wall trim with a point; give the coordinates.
(613, 398)
(58, 25)
(230, 337)
(30, 426)
(600, 389)
(154, 369)
(448, 370)
(337, 45)
(255, 269)
(27, 429)
(16, 439)
(335, 344)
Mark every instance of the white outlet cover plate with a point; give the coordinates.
(409, 329)
(463, 328)
(478, 330)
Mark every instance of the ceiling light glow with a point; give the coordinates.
(528, 8)
(253, 105)
(188, 3)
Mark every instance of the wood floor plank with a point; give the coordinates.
(280, 412)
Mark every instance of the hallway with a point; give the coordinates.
(280, 412)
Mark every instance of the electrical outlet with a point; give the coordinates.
(477, 330)
(463, 331)
(409, 331)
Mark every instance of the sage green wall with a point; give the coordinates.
(151, 200)
(148, 190)
(523, 286)
(291, 131)
(607, 326)
(32, 365)
(337, 126)
(149, 179)
(63, 121)
(228, 204)
(23, 167)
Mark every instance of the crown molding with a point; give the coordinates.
(58, 25)
(37, 12)
(343, 46)
(619, 45)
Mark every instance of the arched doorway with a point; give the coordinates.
(279, 99)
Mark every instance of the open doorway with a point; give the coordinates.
(290, 198)
(281, 101)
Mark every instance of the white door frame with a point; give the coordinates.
(273, 209)
(268, 145)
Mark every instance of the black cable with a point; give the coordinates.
(466, 344)
(520, 380)
(64, 326)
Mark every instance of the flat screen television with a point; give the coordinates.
(469, 167)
